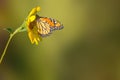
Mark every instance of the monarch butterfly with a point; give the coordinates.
(47, 25)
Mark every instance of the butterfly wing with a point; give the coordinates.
(47, 25)
(43, 28)
(57, 25)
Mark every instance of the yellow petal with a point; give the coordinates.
(32, 18)
(36, 42)
(38, 8)
(34, 10)
(30, 37)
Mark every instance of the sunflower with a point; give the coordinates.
(32, 26)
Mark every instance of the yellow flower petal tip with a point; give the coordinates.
(38, 8)
(34, 37)
(32, 18)
(34, 11)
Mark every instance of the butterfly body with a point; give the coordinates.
(47, 25)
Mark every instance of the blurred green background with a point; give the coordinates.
(88, 48)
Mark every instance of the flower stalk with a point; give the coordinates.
(20, 29)
(3, 54)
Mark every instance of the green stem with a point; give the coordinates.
(3, 54)
(20, 29)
